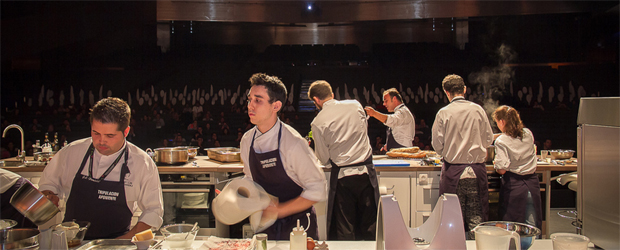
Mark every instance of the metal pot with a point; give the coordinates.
(33, 204)
(560, 154)
(191, 151)
(21, 238)
(169, 155)
(490, 154)
(6, 226)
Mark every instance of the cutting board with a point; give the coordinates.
(391, 163)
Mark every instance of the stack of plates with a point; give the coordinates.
(192, 199)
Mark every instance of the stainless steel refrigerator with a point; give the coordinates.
(598, 153)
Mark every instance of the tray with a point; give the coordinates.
(391, 163)
(110, 244)
(226, 154)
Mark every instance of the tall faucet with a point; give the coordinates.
(21, 156)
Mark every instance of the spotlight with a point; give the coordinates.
(309, 6)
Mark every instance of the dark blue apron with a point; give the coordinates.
(273, 178)
(100, 201)
(513, 197)
(390, 141)
(333, 181)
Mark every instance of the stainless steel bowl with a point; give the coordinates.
(560, 154)
(33, 204)
(170, 155)
(6, 226)
(21, 238)
(191, 151)
(526, 232)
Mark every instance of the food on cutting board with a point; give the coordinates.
(406, 155)
(144, 235)
(405, 150)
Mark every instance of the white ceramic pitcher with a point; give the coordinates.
(495, 238)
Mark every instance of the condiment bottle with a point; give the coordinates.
(298, 238)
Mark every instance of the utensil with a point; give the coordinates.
(527, 233)
(193, 228)
(494, 238)
(21, 238)
(33, 204)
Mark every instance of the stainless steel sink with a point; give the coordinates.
(12, 164)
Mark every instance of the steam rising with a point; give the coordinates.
(493, 81)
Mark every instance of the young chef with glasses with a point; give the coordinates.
(105, 178)
(278, 158)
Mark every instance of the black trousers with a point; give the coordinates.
(355, 212)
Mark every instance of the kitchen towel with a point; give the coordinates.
(241, 198)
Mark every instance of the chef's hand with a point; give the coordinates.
(370, 111)
(501, 171)
(384, 148)
(51, 196)
(270, 212)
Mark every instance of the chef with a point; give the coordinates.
(401, 125)
(276, 157)
(461, 133)
(341, 142)
(105, 178)
(9, 184)
(515, 160)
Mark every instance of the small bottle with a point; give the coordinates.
(37, 147)
(56, 145)
(64, 144)
(298, 238)
(47, 147)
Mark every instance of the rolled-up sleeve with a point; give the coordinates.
(150, 199)
(307, 172)
(502, 160)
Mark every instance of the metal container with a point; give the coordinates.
(43, 156)
(169, 155)
(526, 232)
(490, 154)
(115, 244)
(5, 227)
(33, 204)
(560, 154)
(191, 151)
(226, 154)
(21, 238)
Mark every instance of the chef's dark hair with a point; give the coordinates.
(453, 84)
(514, 125)
(320, 89)
(111, 110)
(275, 88)
(393, 93)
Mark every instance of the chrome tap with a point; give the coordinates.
(21, 156)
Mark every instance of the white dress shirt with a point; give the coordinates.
(402, 125)
(300, 163)
(515, 154)
(7, 179)
(462, 132)
(142, 187)
(340, 133)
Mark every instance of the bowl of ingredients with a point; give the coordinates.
(179, 235)
(74, 231)
(526, 232)
(20, 238)
(560, 154)
(5, 226)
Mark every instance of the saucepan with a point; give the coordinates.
(33, 204)
(169, 155)
(191, 151)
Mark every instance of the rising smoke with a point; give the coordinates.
(492, 81)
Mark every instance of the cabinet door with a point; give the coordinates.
(427, 190)
(401, 188)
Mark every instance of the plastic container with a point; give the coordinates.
(178, 235)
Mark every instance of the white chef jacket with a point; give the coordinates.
(340, 133)
(7, 179)
(462, 132)
(142, 188)
(515, 154)
(402, 125)
(299, 162)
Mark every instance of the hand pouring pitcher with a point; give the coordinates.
(495, 238)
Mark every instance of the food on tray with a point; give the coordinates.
(406, 155)
(144, 235)
(405, 150)
(217, 243)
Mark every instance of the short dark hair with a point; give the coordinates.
(111, 110)
(275, 88)
(393, 93)
(320, 89)
(453, 84)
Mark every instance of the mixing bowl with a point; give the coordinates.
(526, 232)
(21, 238)
(560, 154)
(179, 235)
(5, 226)
(75, 233)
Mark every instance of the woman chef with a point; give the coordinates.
(515, 160)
